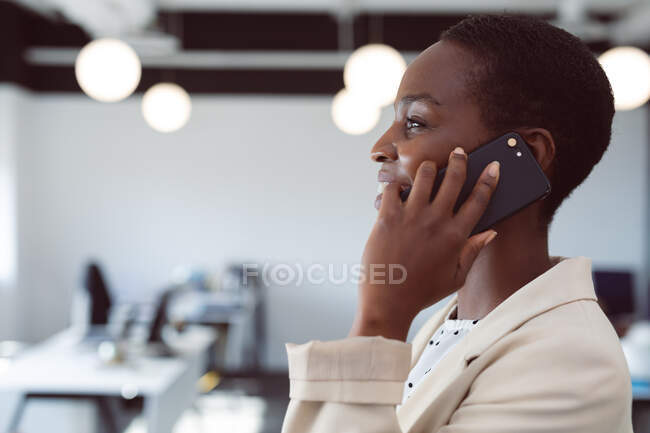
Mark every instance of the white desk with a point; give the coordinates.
(60, 366)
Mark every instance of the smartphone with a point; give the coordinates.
(521, 180)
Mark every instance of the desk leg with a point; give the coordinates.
(163, 410)
(157, 422)
(13, 406)
(107, 415)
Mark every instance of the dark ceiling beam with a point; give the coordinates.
(252, 31)
(21, 29)
(13, 41)
(267, 82)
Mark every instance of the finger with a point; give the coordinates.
(423, 183)
(470, 252)
(390, 200)
(474, 207)
(453, 182)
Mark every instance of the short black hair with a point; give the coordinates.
(532, 74)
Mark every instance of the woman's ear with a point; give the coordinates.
(542, 145)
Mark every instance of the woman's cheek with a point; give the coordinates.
(408, 165)
(420, 149)
(412, 163)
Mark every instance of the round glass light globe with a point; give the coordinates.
(129, 391)
(108, 70)
(628, 71)
(374, 72)
(354, 115)
(166, 107)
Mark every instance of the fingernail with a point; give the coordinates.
(489, 238)
(459, 151)
(427, 168)
(493, 169)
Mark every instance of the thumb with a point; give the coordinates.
(470, 251)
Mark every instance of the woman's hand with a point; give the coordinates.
(427, 241)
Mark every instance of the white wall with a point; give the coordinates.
(250, 178)
(263, 178)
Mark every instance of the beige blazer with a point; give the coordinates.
(544, 360)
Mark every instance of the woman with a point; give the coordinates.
(522, 345)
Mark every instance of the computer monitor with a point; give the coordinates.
(160, 316)
(99, 296)
(615, 289)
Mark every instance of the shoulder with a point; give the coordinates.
(577, 331)
(576, 334)
(561, 371)
(570, 352)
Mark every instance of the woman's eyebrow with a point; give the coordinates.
(419, 97)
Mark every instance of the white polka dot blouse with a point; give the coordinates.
(446, 336)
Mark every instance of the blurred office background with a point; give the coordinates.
(99, 201)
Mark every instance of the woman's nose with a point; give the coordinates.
(384, 150)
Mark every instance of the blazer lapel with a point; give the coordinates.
(569, 280)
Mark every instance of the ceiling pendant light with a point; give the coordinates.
(374, 72)
(628, 71)
(108, 70)
(353, 114)
(166, 107)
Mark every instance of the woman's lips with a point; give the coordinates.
(404, 188)
(378, 201)
(385, 177)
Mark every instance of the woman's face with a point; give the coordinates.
(433, 114)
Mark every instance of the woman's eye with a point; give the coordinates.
(412, 123)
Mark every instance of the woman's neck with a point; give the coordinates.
(518, 255)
